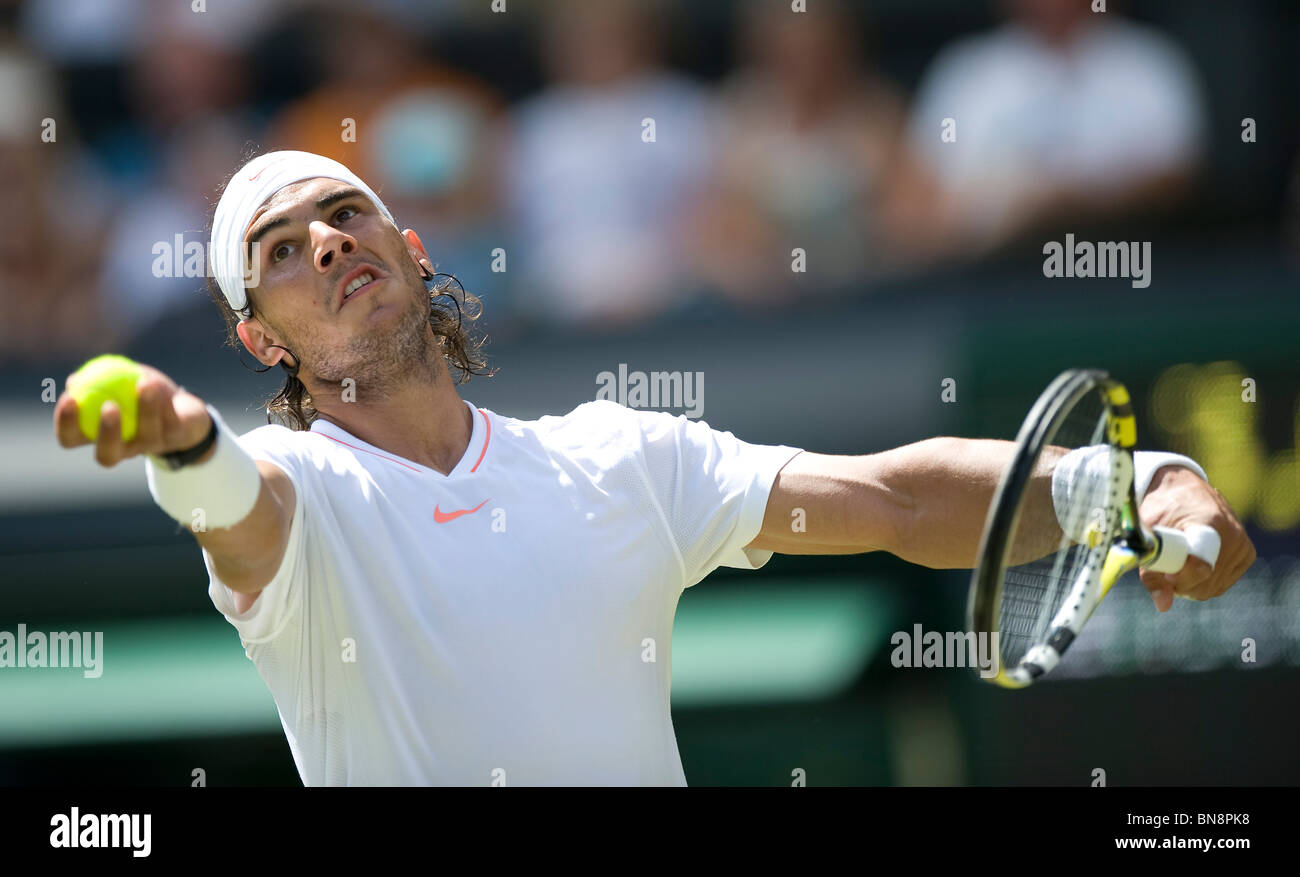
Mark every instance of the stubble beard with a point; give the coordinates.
(382, 360)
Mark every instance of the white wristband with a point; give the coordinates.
(1145, 464)
(219, 492)
(1085, 478)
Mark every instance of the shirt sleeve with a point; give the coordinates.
(279, 600)
(710, 486)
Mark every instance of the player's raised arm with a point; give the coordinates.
(196, 465)
(925, 502)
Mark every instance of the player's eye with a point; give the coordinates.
(280, 252)
(340, 217)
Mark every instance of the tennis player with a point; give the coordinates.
(439, 594)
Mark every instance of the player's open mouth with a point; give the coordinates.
(357, 284)
(360, 281)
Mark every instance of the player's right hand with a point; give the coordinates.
(1177, 497)
(169, 419)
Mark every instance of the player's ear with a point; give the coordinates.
(258, 342)
(415, 247)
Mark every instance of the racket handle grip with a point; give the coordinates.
(1197, 540)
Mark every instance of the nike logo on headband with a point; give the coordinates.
(263, 170)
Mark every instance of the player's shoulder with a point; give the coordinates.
(600, 414)
(282, 443)
(273, 434)
(610, 412)
(600, 421)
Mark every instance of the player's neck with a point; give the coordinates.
(425, 423)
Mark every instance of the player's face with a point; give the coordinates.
(338, 283)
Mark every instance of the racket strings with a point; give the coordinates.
(1034, 592)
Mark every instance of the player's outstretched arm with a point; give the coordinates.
(925, 502)
(246, 552)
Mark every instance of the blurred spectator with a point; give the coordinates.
(433, 153)
(361, 57)
(1060, 113)
(425, 136)
(83, 32)
(600, 213)
(51, 227)
(182, 66)
(90, 32)
(149, 271)
(809, 136)
(189, 87)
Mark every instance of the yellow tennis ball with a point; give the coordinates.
(103, 378)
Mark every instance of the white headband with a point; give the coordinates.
(248, 190)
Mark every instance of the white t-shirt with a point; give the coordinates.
(493, 624)
(1121, 103)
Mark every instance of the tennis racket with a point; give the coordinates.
(1046, 561)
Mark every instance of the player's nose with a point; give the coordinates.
(329, 242)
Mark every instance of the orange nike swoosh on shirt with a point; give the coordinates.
(440, 517)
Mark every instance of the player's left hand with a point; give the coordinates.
(1176, 498)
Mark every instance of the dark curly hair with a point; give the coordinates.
(293, 406)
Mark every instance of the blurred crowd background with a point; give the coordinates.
(645, 171)
(522, 133)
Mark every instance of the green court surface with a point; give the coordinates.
(787, 641)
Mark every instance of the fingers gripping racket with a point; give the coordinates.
(1047, 559)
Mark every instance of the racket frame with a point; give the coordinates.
(1131, 545)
